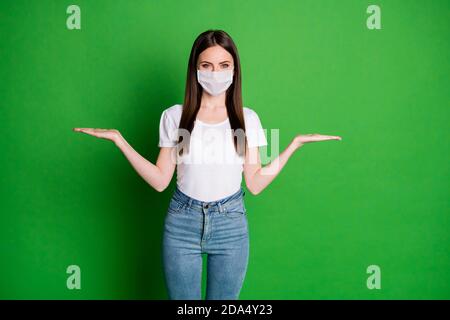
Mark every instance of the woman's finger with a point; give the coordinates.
(81, 129)
(316, 137)
(97, 132)
(89, 131)
(332, 137)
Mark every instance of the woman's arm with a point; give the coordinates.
(158, 176)
(257, 178)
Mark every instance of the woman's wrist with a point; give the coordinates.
(296, 143)
(119, 140)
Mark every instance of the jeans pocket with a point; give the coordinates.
(236, 210)
(175, 206)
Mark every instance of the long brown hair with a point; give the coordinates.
(193, 92)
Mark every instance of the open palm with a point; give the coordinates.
(109, 134)
(313, 137)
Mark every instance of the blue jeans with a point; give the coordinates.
(219, 229)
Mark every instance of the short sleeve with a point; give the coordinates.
(167, 131)
(255, 132)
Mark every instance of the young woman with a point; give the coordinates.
(211, 139)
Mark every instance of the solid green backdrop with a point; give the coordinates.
(378, 197)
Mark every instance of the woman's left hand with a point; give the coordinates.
(300, 140)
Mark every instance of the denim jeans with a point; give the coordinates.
(217, 228)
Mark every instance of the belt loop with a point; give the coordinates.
(220, 207)
(189, 203)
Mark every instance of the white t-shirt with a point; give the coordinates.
(212, 169)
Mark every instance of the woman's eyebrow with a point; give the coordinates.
(211, 63)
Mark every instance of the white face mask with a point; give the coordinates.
(215, 82)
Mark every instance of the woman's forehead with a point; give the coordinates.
(215, 54)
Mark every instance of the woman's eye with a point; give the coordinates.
(225, 65)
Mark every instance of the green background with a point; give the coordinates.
(380, 196)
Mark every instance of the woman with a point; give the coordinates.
(211, 139)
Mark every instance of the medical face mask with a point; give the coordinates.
(215, 82)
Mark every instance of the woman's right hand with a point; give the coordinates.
(108, 134)
(156, 175)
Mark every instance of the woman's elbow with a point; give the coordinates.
(254, 191)
(160, 187)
